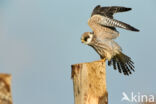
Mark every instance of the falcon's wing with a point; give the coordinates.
(106, 33)
(109, 11)
(105, 21)
(113, 28)
(102, 31)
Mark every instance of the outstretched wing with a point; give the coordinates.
(109, 11)
(108, 22)
(101, 31)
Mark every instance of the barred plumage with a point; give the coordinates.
(111, 51)
(105, 15)
(102, 38)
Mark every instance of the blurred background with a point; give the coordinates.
(40, 39)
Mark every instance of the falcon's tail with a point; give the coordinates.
(123, 63)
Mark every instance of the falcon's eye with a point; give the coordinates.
(86, 38)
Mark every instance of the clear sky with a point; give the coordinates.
(40, 39)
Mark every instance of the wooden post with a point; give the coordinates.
(89, 82)
(5, 89)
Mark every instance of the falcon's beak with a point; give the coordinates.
(82, 41)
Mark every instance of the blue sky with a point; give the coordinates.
(40, 39)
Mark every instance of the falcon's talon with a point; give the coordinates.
(102, 60)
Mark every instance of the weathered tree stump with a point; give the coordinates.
(5, 89)
(89, 82)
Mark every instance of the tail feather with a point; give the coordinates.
(125, 68)
(131, 66)
(128, 69)
(123, 63)
(109, 63)
(119, 67)
(114, 64)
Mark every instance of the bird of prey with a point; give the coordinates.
(101, 39)
(108, 49)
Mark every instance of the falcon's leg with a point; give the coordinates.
(102, 60)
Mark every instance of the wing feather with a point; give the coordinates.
(105, 21)
(109, 11)
(101, 31)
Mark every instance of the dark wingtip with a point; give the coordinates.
(124, 9)
(95, 10)
(136, 30)
(98, 6)
(132, 28)
(129, 8)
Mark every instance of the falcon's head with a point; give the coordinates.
(87, 38)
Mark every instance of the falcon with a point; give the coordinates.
(108, 49)
(101, 39)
